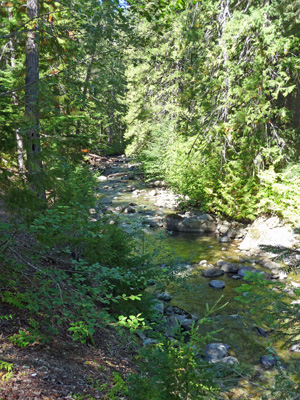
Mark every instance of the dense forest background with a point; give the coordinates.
(204, 94)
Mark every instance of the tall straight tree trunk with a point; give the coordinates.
(33, 147)
(19, 139)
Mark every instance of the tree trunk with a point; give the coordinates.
(33, 147)
(19, 140)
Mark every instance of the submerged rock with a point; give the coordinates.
(243, 271)
(217, 284)
(224, 239)
(210, 273)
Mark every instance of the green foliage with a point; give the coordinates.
(211, 104)
(8, 368)
(133, 322)
(280, 192)
(273, 302)
(270, 306)
(118, 386)
(173, 370)
(62, 291)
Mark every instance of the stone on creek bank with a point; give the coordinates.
(229, 360)
(176, 322)
(295, 348)
(196, 223)
(211, 273)
(124, 209)
(217, 284)
(165, 296)
(267, 234)
(268, 362)
(158, 305)
(215, 352)
(224, 239)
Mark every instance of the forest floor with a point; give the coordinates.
(62, 369)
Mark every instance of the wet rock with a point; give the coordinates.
(172, 326)
(224, 239)
(260, 331)
(203, 262)
(129, 189)
(296, 302)
(102, 178)
(165, 296)
(215, 352)
(158, 305)
(230, 268)
(231, 233)
(196, 223)
(236, 277)
(209, 273)
(243, 271)
(172, 221)
(217, 284)
(170, 310)
(220, 263)
(129, 210)
(267, 362)
(295, 348)
(153, 224)
(149, 342)
(119, 209)
(277, 274)
(185, 323)
(230, 360)
(295, 284)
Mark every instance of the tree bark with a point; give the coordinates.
(19, 139)
(33, 147)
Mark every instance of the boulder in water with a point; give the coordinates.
(230, 268)
(217, 284)
(211, 273)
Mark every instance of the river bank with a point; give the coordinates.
(215, 253)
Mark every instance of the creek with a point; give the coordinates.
(125, 195)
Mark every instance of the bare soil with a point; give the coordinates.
(62, 369)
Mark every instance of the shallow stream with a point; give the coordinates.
(189, 249)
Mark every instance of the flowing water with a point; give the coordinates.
(189, 249)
